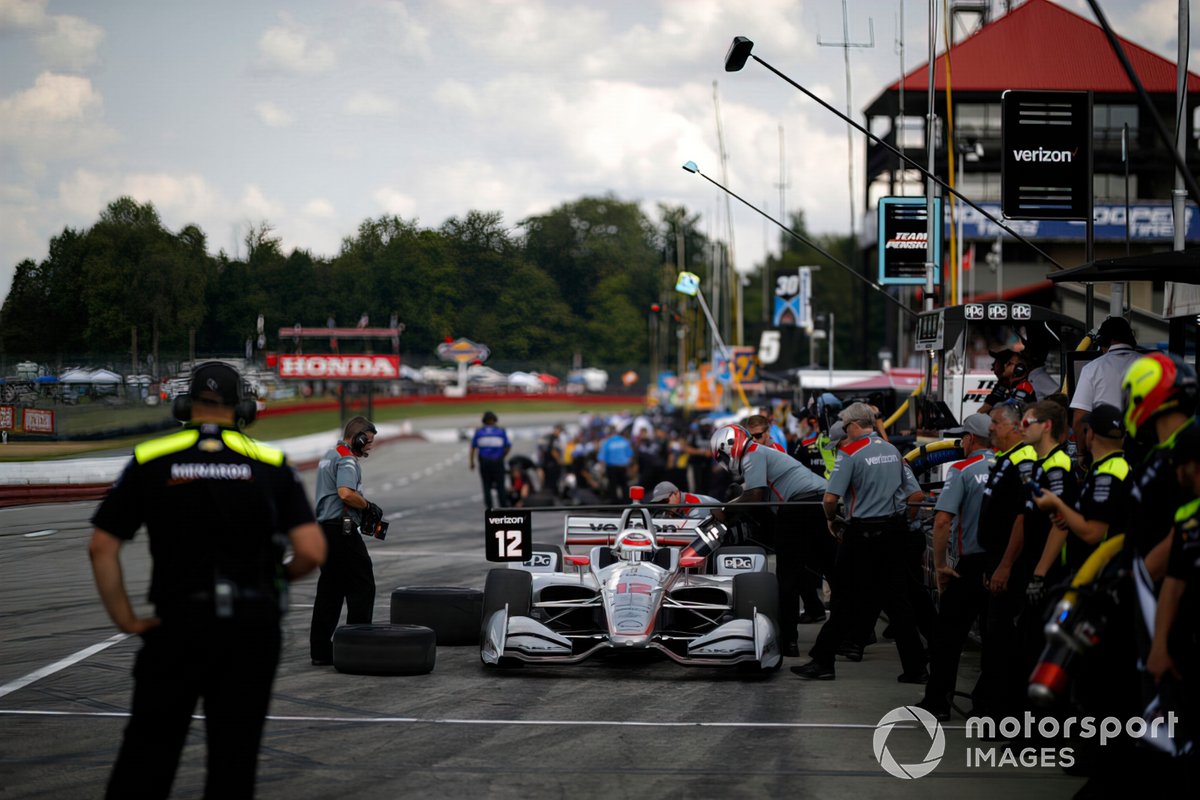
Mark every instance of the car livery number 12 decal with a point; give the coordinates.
(507, 535)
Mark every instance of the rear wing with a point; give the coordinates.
(588, 531)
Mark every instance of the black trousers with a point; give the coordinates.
(346, 577)
(964, 600)
(229, 664)
(799, 564)
(872, 563)
(1004, 679)
(491, 472)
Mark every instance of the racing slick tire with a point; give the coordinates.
(751, 591)
(454, 613)
(507, 587)
(384, 649)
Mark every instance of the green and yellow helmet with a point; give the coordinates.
(1154, 384)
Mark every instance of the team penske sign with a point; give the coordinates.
(340, 367)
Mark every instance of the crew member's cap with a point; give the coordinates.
(837, 432)
(974, 424)
(1106, 421)
(216, 383)
(663, 491)
(1003, 355)
(488, 418)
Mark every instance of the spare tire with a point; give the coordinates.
(454, 613)
(384, 649)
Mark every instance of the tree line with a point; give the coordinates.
(579, 280)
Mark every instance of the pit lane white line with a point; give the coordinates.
(567, 723)
(61, 664)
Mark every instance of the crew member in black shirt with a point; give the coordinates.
(220, 509)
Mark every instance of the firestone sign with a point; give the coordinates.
(340, 367)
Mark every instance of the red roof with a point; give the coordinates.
(1042, 46)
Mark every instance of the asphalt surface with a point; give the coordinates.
(611, 729)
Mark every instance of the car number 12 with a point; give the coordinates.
(509, 543)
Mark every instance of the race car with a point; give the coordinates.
(644, 584)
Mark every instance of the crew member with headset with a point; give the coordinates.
(870, 475)
(492, 444)
(1012, 380)
(769, 475)
(220, 510)
(348, 575)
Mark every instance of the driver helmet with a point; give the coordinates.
(636, 546)
(1154, 384)
(729, 443)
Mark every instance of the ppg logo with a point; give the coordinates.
(542, 560)
(737, 562)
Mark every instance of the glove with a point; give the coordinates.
(1035, 590)
(371, 516)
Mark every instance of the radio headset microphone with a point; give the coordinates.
(691, 167)
(736, 58)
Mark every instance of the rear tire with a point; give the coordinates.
(384, 649)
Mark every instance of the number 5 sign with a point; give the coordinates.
(508, 535)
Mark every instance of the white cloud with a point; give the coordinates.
(256, 205)
(273, 116)
(291, 48)
(393, 201)
(70, 43)
(369, 104)
(319, 208)
(59, 117)
(16, 14)
(186, 198)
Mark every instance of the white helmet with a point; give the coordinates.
(728, 444)
(635, 544)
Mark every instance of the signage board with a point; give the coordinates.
(1046, 155)
(904, 241)
(339, 367)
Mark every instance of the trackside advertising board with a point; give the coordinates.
(339, 367)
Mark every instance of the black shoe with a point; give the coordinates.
(790, 650)
(919, 677)
(322, 662)
(850, 651)
(870, 638)
(941, 714)
(815, 671)
(808, 619)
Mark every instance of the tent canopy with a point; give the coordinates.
(1181, 266)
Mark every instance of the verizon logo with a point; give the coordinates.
(1042, 155)
(874, 460)
(330, 366)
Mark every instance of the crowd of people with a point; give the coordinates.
(1019, 520)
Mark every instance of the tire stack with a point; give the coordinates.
(421, 619)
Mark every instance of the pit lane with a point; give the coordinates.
(638, 727)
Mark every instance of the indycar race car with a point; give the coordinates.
(644, 584)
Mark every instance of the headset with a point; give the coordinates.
(359, 441)
(244, 410)
(1020, 369)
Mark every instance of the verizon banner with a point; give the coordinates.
(340, 367)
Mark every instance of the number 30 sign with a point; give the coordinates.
(508, 535)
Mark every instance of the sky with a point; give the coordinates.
(315, 115)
